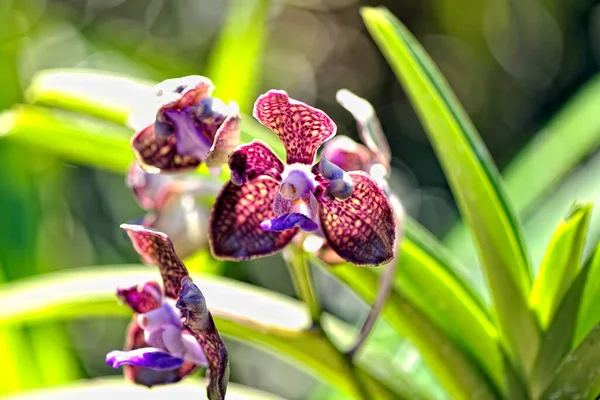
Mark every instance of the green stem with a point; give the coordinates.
(301, 273)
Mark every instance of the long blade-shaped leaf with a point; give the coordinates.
(242, 312)
(462, 378)
(107, 388)
(578, 377)
(72, 137)
(589, 312)
(576, 127)
(472, 177)
(558, 339)
(242, 39)
(560, 263)
(114, 98)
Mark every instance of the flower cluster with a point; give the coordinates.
(267, 202)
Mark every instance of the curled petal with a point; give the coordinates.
(226, 139)
(157, 153)
(148, 357)
(141, 298)
(301, 128)
(235, 231)
(252, 160)
(340, 183)
(362, 228)
(347, 154)
(183, 92)
(289, 221)
(156, 248)
(200, 323)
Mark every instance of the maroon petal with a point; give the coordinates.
(361, 229)
(301, 128)
(141, 298)
(202, 326)
(156, 248)
(347, 154)
(235, 232)
(145, 376)
(252, 160)
(226, 139)
(157, 153)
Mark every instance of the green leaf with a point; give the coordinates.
(589, 312)
(561, 262)
(462, 377)
(235, 61)
(578, 377)
(429, 283)
(114, 98)
(70, 136)
(473, 179)
(242, 312)
(105, 388)
(575, 127)
(558, 339)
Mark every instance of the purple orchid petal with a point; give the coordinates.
(157, 153)
(166, 314)
(226, 139)
(289, 221)
(347, 154)
(202, 326)
(235, 231)
(192, 138)
(340, 183)
(301, 128)
(252, 160)
(193, 351)
(148, 357)
(141, 298)
(362, 228)
(156, 248)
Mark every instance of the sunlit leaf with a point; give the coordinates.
(560, 263)
(69, 136)
(558, 339)
(107, 388)
(235, 61)
(241, 312)
(461, 377)
(114, 98)
(589, 311)
(576, 128)
(472, 177)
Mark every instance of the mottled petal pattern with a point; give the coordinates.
(361, 229)
(235, 231)
(200, 323)
(156, 152)
(252, 160)
(301, 128)
(141, 298)
(147, 357)
(226, 139)
(156, 248)
(289, 221)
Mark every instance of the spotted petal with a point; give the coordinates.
(156, 248)
(235, 231)
(252, 160)
(141, 298)
(361, 229)
(301, 128)
(158, 152)
(226, 139)
(202, 326)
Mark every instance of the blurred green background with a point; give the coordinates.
(512, 63)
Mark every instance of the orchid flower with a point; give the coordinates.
(190, 128)
(162, 345)
(172, 205)
(266, 203)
